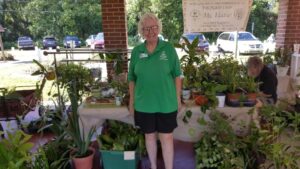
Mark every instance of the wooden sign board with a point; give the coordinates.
(215, 15)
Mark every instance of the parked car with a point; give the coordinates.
(203, 44)
(247, 42)
(98, 43)
(269, 44)
(90, 40)
(71, 40)
(49, 42)
(25, 42)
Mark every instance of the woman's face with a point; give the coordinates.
(150, 30)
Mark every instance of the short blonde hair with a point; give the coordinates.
(144, 18)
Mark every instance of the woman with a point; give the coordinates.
(155, 87)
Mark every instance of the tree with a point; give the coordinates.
(170, 13)
(264, 15)
(13, 19)
(135, 9)
(64, 17)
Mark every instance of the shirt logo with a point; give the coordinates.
(163, 56)
(143, 55)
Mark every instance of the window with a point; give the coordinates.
(224, 36)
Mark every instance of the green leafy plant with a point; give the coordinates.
(119, 136)
(268, 59)
(249, 85)
(117, 58)
(80, 140)
(74, 78)
(227, 72)
(283, 56)
(15, 151)
(46, 73)
(191, 60)
(218, 147)
(211, 89)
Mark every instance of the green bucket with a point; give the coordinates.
(120, 159)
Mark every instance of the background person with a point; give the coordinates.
(155, 88)
(265, 76)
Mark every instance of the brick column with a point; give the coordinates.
(114, 25)
(288, 23)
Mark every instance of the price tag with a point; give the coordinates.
(129, 155)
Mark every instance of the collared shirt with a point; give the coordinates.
(154, 76)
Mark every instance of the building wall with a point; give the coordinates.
(114, 25)
(288, 24)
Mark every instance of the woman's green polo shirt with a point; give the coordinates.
(154, 76)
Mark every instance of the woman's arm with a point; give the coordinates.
(178, 92)
(131, 98)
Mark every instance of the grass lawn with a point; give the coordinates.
(19, 74)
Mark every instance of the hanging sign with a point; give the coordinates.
(215, 15)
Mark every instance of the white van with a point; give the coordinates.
(247, 42)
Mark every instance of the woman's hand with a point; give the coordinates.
(131, 107)
(131, 97)
(179, 104)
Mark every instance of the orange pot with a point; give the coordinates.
(84, 162)
(195, 94)
(251, 96)
(233, 97)
(201, 100)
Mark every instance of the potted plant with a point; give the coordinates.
(82, 154)
(186, 92)
(218, 148)
(190, 63)
(15, 151)
(74, 78)
(283, 58)
(123, 143)
(269, 60)
(210, 90)
(250, 87)
(227, 71)
(121, 91)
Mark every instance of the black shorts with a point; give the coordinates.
(156, 122)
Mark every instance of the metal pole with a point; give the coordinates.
(2, 47)
(236, 45)
(58, 91)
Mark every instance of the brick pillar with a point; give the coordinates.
(288, 23)
(114, 25)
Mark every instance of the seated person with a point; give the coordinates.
(265, 76)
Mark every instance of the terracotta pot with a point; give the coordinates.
(251, 96)
(195, 94)
(84, 162)
(233, 97)
(201, 100)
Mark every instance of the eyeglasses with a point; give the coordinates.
(153, 28)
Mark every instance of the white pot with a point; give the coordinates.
(282, 71)
(296, 48)
(118, 101)
(186, 94)
(221, 100)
